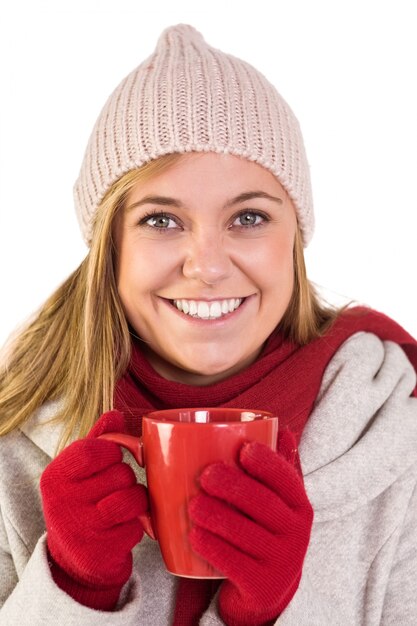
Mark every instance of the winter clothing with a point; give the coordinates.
(188, 96)
(285, 379)
(88, 481)
(253, 524)
(359, 457)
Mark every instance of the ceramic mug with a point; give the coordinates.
(175, 447)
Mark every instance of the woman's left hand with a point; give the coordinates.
(253, 524)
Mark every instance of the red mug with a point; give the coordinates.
(175, 447)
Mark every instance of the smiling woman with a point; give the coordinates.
(194, 199)
(198, 254)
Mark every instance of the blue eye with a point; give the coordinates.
(160, 221)
(249, 218)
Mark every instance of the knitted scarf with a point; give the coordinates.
(285, 380)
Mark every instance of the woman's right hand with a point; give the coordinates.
(91, 503)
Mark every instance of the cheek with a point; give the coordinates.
(142, 269)
(273, 265)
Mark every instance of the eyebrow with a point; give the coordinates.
(167, 201)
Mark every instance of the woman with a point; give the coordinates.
(194, 198)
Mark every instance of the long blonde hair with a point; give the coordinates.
(78, 344)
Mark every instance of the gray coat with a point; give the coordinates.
(359, 457)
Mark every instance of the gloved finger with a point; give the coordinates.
(224, 521)
(114, 478)
(247, 494)
(123, 506)
(274, 471)
(224, 557)
(84, 458)
(111, 421)
(121, 538)
(258, 579)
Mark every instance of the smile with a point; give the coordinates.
(208, 310)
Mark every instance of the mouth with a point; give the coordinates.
(204, 310)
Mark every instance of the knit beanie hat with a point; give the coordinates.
(188, 96)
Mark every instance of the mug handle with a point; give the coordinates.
(135, 447)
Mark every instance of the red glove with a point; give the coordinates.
(253, 524)
(91, 504)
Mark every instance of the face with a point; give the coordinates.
(205, 264)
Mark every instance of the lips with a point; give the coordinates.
(202, 309)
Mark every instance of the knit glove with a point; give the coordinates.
(91, 503)
(253, 523)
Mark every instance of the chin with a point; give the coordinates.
(216, 366)
(191, 371)
(204, 369)
(215, 370)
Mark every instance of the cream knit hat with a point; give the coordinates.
(188, 96)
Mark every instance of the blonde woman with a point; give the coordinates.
(194, 199)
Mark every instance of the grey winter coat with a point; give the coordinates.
(359, 458)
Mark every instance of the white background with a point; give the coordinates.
(347, 68)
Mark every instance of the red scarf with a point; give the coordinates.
(284, 380)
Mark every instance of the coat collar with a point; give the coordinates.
(46, 438)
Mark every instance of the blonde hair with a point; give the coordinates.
(78, 344)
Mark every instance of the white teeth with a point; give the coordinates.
(215, 309)
(203, 310)
(208, 310)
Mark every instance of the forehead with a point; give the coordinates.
(208, 175)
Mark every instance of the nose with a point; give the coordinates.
(207, 258)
